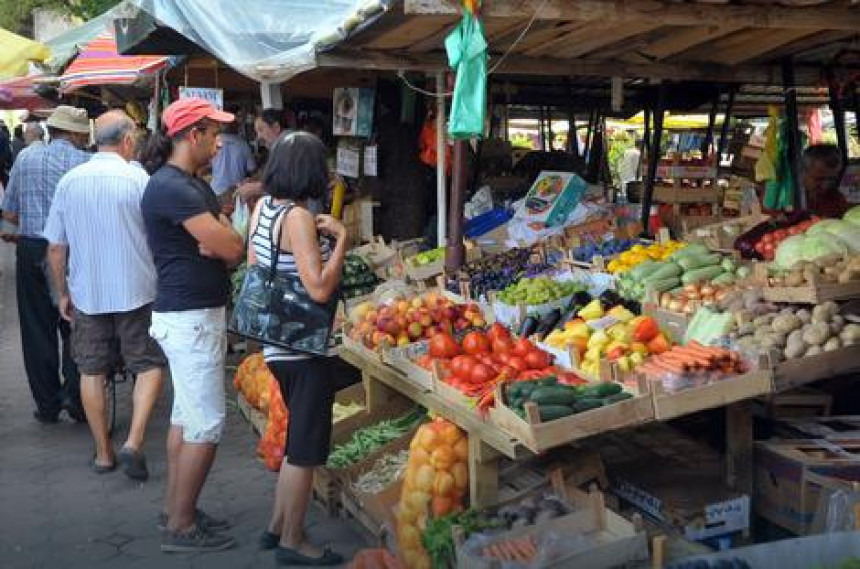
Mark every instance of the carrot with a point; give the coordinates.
(495, 552)
(522, 546)
(513, 550)
(687, 360)
(529, 547)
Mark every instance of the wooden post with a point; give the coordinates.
(712, 121)
(855, 100)
(441, 193)
(838, 109)
(653, 157)
(455, 251)
(483, 473)
(793, 141)
(739, 447)
(271, 95)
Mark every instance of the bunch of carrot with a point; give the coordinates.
(523, 550)
(692, 359)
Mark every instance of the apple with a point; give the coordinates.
(430, 331)
(417, 302)
(478, 321)
(426, 320)
(461, 324)
(372, 316)
(402, 306)
(445, 326)
(402, 322)
(415, 330)
(448, 313)
(386, 312)
(403, 340)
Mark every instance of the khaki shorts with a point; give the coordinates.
(100, 340)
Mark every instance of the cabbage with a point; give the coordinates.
(817, 246)
(823, 226)
(846, 232)
(790, 251)
(853, 215)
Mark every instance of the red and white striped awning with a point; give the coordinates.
(100, 64)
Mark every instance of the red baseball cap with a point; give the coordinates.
(185, 112)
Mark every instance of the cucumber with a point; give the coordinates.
(642, 270)
(663, 285)
(553, 412)
(724, 279)
(698, 261)
(554, 395)
(548, 381)
(600, 390)
(692, 249)
(587, 403)
(617, 397)
(729, 265)
(703, 274)
(665, 271)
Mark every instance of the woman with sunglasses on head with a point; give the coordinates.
(312, 247)
(193, 246)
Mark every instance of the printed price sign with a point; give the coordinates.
(348, 159)
(214, 96)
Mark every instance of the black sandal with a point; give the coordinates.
(287, 556)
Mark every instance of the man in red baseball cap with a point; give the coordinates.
(194, 247)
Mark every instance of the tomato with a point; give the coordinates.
(476, 343)
(538, 359)
(522, 347)
(780, 234)
(502, 345)
(767, 238)
(497, 331)
(794, 230)
(518, 363)
(461, 366)
(482, 374)
(443, 346)
(768, 248)
(425, 361)
(505, 357)
(509, 371)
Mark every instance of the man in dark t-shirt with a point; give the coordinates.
(820, 176)
(192, 245)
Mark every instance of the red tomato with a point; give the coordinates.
(522, 347)
(502, 345)
(476, 343)
(759, 247)
(482, 374)
(461, 366)
(509, 371)
(505, 357)
(497, 331)
(780, 234)
(768, 248)
(518, 363)
(767, 238)
(794, 230)
(443, 346)
(538, 359)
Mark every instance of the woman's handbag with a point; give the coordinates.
(275, 308)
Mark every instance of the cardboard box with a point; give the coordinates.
(551, 199)
(790, 476)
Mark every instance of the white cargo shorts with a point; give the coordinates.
(194, 342)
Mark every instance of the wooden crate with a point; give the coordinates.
(838, 428)
(797, 372)
(255, 417)
(803, 402)
(540, 436)
(721, 235)
(812, 293)
(791, 474)
(669, 405)
(681, 195)
(403, 360)
(602, 539)
(675, 323)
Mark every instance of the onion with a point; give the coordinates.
(665, 300)
(691, 288)
(690, 309)
(676, 305)
(694, 295)
(721, 295)
(708, 297)
(707, 290)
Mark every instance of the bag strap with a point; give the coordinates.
(275, 242)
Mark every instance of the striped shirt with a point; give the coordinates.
(34, 179)
(262, 239)
(96, 212)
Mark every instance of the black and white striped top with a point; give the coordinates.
(271, 217)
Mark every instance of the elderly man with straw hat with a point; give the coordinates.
(55, 384)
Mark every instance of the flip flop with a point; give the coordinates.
(102, 469)
(287, 556)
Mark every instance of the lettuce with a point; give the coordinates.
(823, 226)
(817, 246)
(790, 251)
(846, 232)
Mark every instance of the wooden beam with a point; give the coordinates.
(797, 48)
(745, 46)
(602, 36)
(519, 65)
(683, 39)
(770, 16)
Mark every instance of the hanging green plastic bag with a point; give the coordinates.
(467, 53)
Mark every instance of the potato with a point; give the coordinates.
(794, 350)
(764, 320)
(746, 330)
(762, 331)
(832, 344)
(813, 351)
(816, 334)
(828, 260)
(796, 337)
(821, 313)
(786, 323)
(794, 278)
(850, 334)
(804, 315)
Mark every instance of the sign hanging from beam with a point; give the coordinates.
(667, 14)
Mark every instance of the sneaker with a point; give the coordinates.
(291, 557)
(133, 464)
(204, 520)
(74, 410)
(269, 540)
(45, 419)
(195, 539)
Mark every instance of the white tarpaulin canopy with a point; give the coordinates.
(266, 40)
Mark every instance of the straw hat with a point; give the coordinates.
(70, 119)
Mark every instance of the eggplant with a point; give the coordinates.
(581, 298)
(548, 323)
(610, 299)
(528, 327)
(633, 306)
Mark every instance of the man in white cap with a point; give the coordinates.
(28, 199)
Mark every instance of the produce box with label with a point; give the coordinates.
(551, 199)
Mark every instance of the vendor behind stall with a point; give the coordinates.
(822, 169)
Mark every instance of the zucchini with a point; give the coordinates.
(692, 249)
(729, 265)
(617, 397)
(548, 381)
(553, 412)
(724, 279)
(698, 261)
(642, 270)
(703, 274)
(663, 285)
(665, 271)
(587, 404)
(554, 395)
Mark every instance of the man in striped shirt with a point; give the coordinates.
(28, 198)
(96, 217)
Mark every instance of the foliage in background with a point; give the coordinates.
(618, 142)
(17, 15)
(521, 140)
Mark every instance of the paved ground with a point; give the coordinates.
(55, 513)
